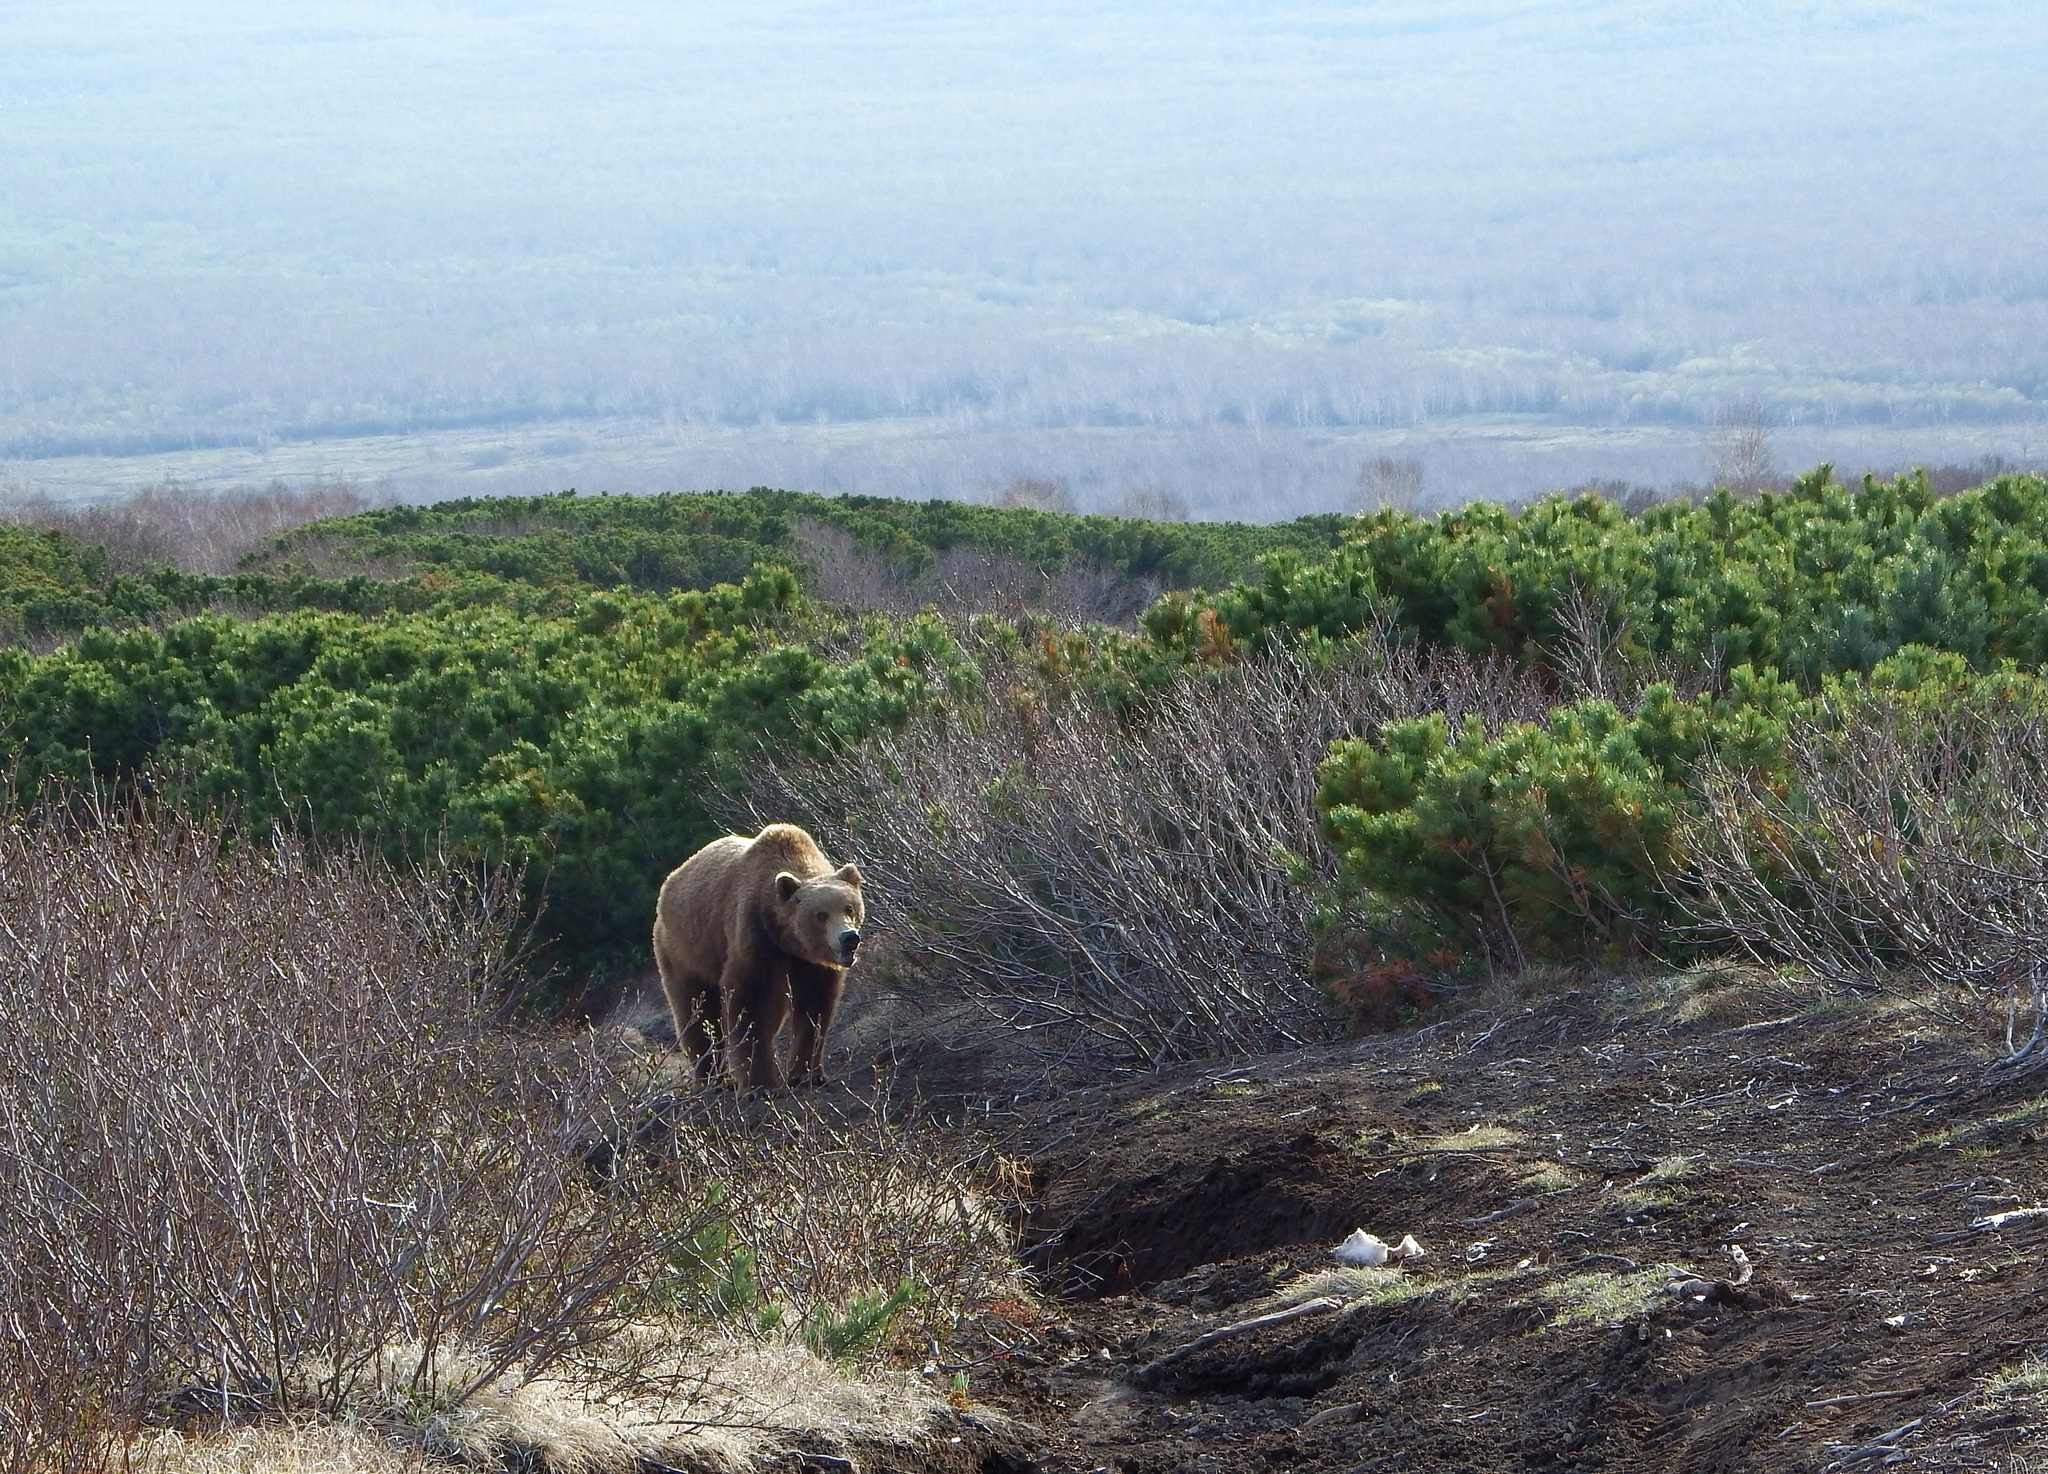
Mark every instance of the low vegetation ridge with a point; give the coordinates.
(154, 559)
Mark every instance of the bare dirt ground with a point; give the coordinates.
(1579, 1169)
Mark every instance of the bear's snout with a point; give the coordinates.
(849, 940)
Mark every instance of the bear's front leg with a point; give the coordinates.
(755, 1009)
(814, 992)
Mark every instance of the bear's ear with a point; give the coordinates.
(851, 875)
(786, 885)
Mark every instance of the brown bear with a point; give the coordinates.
(748, 931)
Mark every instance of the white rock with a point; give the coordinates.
(1361, 1249)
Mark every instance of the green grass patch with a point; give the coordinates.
(1352, 1285)
(1602, 1299)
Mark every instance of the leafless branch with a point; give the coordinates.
(1908, 850)
(1131, 881)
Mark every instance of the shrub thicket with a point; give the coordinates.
(53, 586)
(196, 529)
(492, 702)
(694, 539)
(1819, 580)
(1547, 840)
(1903, 843)
(1136, 880)
(258, 1126)
(582, 744)
(167, 553)
(1115, 884)
(268, 1147)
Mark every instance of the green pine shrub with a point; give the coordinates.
(580, 745)
(1818, 580)
(1548, 841)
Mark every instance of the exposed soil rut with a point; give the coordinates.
(1563, 1163)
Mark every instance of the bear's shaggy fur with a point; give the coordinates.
(749, 933)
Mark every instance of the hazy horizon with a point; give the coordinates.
(1230, 250)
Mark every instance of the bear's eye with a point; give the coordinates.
(821, 916)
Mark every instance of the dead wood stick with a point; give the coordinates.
(1688, 1286)
(1514, 1209)
(1869, 1397)
(1316, 1306)
(1885, 1446)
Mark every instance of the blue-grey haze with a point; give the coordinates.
(1229, 248)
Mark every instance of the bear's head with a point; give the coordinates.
(821, 918)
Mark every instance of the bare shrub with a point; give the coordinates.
(1591, 658)
(1588, 656)
(198, 530)
(269, 1149)
(1390, 482)
(54, 1417)
(1908, 852)
(1130, 886)
(1739, 454)
(830, 1207)
(969, 581)
(966, 580)
(1037, 493)
(256, 1123)
(1151, 504)
(847, 573)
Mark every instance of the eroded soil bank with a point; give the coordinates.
(1564, 1162)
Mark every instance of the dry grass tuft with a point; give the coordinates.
(1729, 994)
(723, 1405)
(1553, 1177)
(2027, 1377)
(1669, 1169)
(1479, 1137)
(298, 1448)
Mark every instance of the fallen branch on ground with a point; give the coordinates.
(1857, 1397)
(1317, 1306)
